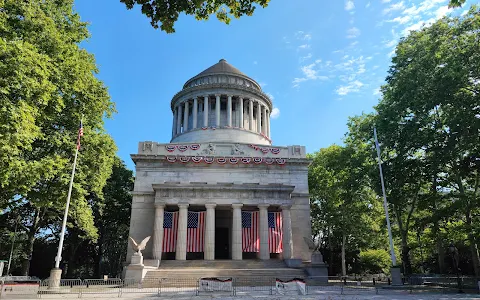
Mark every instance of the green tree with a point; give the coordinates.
(429, 125)
(345, 209)
(47, 82)
(165, 13)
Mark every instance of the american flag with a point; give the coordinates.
(250, 238)
(80, 134)
(275, 232)
(195, 231)
(170, 225)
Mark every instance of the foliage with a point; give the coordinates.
(47, 82)
(375, 261)
(166, 13)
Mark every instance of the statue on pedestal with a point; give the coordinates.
(317, 268)
(137, 257)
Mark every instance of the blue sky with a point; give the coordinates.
(321, 62)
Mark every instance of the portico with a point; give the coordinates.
(232, 221)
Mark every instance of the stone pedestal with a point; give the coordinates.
(137, 259)
(55, 277)
(396, 276)
(136, 270)
(317, 268)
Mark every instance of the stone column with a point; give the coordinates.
(185, 117)
(158, 231)
(250, 118)
(174, 126)
(240, 109)
(195, 112)
(210, 232)
(205, 111)
(217, 110)
(264, 120)
(237, 231)
(287, 232)
(229, 110)
(179, 119)
(181, 250)
(268, 123)
(259, 115)
(263, 231)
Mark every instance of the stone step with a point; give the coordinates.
(204, 272)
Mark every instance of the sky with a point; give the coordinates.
(320, 61)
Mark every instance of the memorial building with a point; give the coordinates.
(220, 189)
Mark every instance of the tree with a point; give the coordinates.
(345, 210)
(428, 120)
(166, 12)
(47, 82)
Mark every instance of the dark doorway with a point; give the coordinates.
(221, 243)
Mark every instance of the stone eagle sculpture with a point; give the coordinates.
(312, 245)
(139, 247)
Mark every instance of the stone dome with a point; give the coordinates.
(232, 75)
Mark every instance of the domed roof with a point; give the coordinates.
(222, 67)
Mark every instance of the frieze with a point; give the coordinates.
(187, 193)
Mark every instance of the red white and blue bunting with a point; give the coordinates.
(265, 150)
(224, 160)
(182, 148)
(195, 146)
(184, 159)
(197, 159)
(170, 148)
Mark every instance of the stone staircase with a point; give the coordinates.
(172, 269)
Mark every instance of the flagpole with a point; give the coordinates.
(58, 258)
(385, 205)
(56, 273)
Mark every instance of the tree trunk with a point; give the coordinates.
(344, 266)
(441, 253)
(473, 244)
(330, 262)
(30, 243)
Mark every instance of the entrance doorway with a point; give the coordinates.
(222, 250)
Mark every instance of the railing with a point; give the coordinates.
(234, 286)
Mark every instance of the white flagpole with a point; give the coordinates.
(58, 258)
(385, 205)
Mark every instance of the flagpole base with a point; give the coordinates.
(396, 276)
(55, 277)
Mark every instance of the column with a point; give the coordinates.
(195, 112)
(205, 111)
(263, 231)
(217, 110)
(229, 110)
(179, 119)
(264, 120)
(287, 232)
(268, 123)
(240, 109)
(158, 231)
(185, 117)
(250, 119)
(259, 115)
(174, 126)
(181, 250)
(237, 231)
(210, 232)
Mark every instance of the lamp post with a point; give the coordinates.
(455, 259)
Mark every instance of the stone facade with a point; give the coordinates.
(221, 161)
